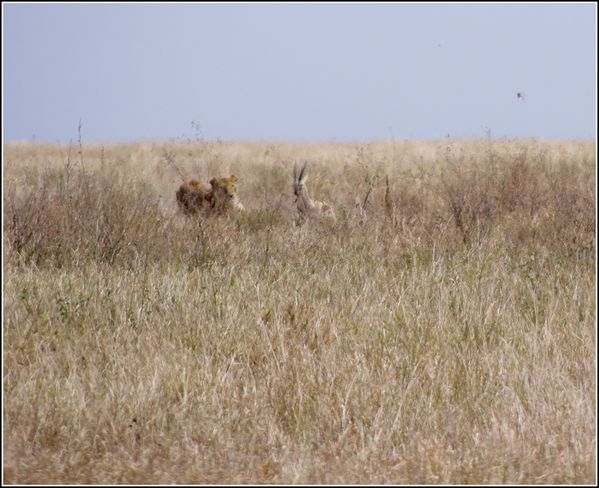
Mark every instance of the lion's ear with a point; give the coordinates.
(213, 182)
(233, 179)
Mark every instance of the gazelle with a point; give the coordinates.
(305, 205)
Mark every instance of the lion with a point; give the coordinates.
(193, 197)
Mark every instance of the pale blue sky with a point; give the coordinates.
(298, 72)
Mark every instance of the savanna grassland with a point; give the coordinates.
(442, 330)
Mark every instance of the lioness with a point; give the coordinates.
(222, 196)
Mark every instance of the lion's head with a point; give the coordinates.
(224, 194)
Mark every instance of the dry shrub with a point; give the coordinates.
(94, 218)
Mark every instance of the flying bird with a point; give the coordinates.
(520, 96)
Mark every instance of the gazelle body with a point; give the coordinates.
(306, 206)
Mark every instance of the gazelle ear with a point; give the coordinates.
(301, 176)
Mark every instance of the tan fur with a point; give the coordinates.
(305, 205)
(222, 196)
(192, 197)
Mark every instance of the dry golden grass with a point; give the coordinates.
(441, 331)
